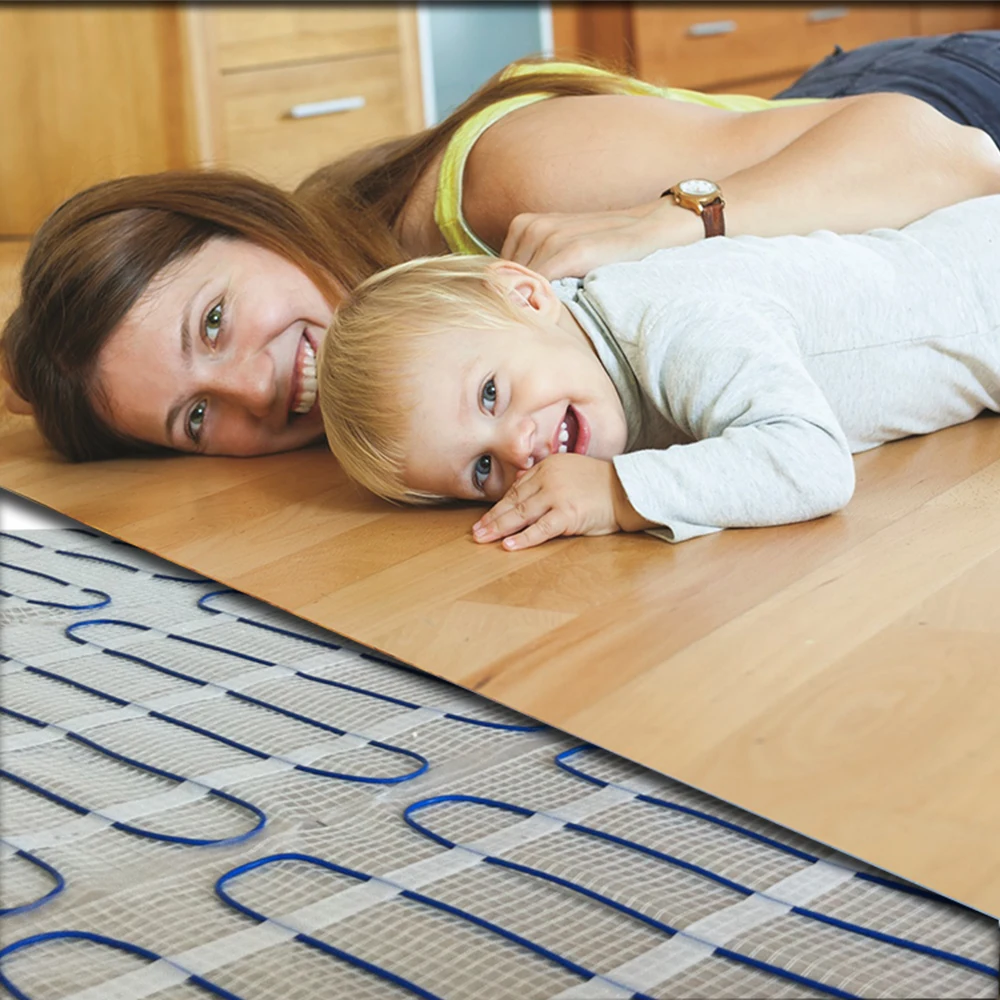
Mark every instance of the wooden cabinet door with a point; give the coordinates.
(85, 94)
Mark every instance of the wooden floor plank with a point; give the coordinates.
(839, 677)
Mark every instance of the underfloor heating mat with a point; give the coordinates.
(202, 796)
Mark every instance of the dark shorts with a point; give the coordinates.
(957, 74)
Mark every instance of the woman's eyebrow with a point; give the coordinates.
(185, 338)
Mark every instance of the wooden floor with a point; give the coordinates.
(841, 677)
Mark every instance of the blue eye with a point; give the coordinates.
(489, 396)
(196, 420)
(481, 472)
(213, 324)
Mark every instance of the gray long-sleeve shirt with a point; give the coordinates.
(751, 369)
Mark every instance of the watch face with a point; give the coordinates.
(698, 188)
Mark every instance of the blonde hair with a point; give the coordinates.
(368, 357)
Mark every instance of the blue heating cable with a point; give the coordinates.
(852, 928)
(659, 925)
(744, 890)
(260, 816)
(437, 904)
(261, 661)
(467, 720)
(422, 763)
(347, 687)
(100, 559)
(109, 942)
(53, 873)
(676, 862)
(129, 567)
(561, 762)
(103, 598)
(23, 541)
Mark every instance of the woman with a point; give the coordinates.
(180, 311)
(503, 174)
(233, 308)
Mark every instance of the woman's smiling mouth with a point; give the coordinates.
(303, 394)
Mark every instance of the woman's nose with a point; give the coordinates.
(249, 381)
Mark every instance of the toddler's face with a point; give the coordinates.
(488, 404)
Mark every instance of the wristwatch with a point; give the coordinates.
(705, 199)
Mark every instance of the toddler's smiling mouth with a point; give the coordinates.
(572, 435)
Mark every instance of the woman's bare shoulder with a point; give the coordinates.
(605, 152)
(575, 154)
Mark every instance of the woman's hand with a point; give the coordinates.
(564, 245)
(561, 495)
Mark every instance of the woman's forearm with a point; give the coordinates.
(882, 161)
(866, 162)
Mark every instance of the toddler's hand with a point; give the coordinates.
(561, 495)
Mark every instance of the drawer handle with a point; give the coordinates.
(822, 14)
(314, 109)
(707, 29)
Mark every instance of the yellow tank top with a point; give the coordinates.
(448, 203)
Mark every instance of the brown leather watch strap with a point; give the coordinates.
(712, 216)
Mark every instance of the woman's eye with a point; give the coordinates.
(213, 324)
(481, 472)
(489, 396)
(195, 420)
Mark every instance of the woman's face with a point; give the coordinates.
(218, 356)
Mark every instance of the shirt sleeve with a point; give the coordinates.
(767, 448)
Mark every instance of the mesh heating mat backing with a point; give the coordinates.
(202, 796)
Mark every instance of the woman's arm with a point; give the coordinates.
(848, 165)
(883, 161)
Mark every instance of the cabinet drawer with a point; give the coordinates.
(711, 45)
(260, 134)
(246, 37)
(940, 19)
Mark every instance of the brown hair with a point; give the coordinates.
(381, 177)
(97, 253)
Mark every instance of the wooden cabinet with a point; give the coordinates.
(286, 90)
(85, 94)
(88, 93)
(752, 49)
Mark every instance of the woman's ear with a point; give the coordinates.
(15, 403)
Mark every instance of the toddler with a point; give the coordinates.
(724, 384)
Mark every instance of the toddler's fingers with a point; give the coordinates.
(551, 524)
(514, 499)
(510, 514)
